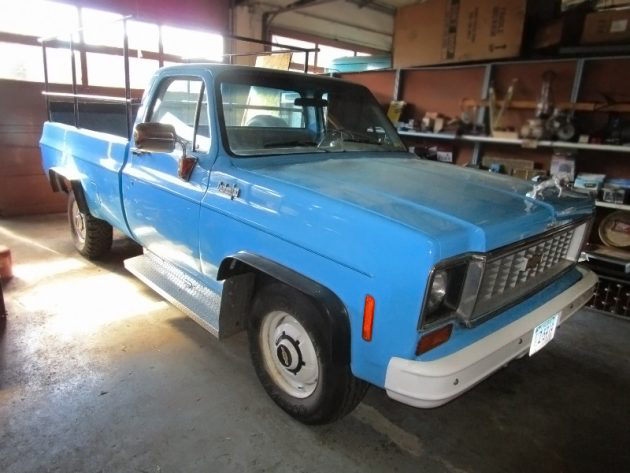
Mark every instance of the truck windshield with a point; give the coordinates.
(292, 114)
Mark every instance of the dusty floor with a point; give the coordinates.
(99, 374)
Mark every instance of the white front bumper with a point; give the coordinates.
(433, 383)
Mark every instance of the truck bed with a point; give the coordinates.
(104, 117)
(95, 158)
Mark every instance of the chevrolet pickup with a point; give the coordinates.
(286, 205)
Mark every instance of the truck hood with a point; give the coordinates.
(442, 201)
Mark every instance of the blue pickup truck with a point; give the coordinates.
(286, 205)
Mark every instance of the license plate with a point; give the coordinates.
(543, 334)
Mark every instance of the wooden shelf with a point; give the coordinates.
(617, 258)
(516, 141)
(576, 106)
(610, 205)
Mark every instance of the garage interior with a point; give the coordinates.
(99, 373)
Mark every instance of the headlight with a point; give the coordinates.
(437, 291)
(444, 290)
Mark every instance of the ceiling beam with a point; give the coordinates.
(376, 6)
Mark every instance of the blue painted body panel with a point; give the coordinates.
(162, 209)
(356, 222)
(96, 159)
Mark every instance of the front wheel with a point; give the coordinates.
(92, 237)
(290, 347)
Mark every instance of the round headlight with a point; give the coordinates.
(438, 290)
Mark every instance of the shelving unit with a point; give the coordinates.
(479, 141)
(588, 56)
(612, 258)
(610, 205)
(516, 141)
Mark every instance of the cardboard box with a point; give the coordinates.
(603, 4)
(606, 26)
(568, 4)
(563, 31)
(446, 31)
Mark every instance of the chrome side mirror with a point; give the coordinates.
(162, 138)
(155, 137)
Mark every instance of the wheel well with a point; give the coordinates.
(245, 273)
(59, 182)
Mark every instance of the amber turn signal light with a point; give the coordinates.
(433, 339)
(368, 318)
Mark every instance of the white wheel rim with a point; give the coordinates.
(289, 354)
(78, 222)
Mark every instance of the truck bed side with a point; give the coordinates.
(93, 158)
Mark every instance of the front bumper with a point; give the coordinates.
(433, 383)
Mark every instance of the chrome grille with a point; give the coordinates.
(517, 270)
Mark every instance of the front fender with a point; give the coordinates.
(331, 306)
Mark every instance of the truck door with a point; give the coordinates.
(163, 209)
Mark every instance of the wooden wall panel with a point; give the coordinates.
(381, 83)
(602, 81)
(440, 90)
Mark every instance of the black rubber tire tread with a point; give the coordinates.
(338, 391)
(98, 234)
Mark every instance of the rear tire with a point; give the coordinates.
(289, 342)
(92, 237)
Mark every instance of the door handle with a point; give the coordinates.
(139, 152)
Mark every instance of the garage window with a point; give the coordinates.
(98, 47)
(38, 17)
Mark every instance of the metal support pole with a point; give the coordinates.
(481, 113)
(83, 54)
(306, 63)
(577, 83)
(397, 85)
(3, 309)
(160, 47)
(45, 57)
(74, 82)
(127, 82)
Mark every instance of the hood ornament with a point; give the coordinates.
(559, 181)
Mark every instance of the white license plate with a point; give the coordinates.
(543, 334)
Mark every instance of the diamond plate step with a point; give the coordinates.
(188, 295)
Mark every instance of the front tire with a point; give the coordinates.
(289, 342)
(92, 237)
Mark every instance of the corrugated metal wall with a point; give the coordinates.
(23, 186)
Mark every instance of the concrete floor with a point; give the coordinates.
(99, 374)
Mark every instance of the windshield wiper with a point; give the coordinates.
(351, 136)
(362, 140)
(288, 144)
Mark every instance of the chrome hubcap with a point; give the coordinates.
(289, 354)
(78, 222)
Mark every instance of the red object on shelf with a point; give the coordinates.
(6, 266)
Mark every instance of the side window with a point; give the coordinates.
(183, 103)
